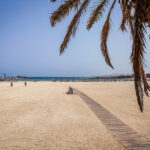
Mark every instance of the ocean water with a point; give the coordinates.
(56, 79)
(71, 79)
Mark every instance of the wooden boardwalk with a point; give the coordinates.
(129, 138)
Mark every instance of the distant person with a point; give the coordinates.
(25, 83)
(11, 83)
(70, 90)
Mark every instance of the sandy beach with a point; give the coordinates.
(42, 116)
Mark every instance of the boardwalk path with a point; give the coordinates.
(125, 135)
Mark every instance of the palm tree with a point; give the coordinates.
(135, 14)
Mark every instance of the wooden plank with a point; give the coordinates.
(125, 135)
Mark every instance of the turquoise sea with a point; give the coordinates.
(74, 79)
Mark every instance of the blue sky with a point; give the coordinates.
(30, 46)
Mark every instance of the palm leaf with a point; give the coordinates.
(73, 25)
(135, 14)
(63, 11)
(138, 54)
(104, 36)
(97, 13)
(53, 0)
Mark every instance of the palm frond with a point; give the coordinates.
(97, 13)
(126, 13)
(135, 14)
(63, 11)
(138, 54)
(104, 36)
(148, 16)
(73, 25)
(53, 0)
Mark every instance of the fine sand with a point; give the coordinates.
(42, 117)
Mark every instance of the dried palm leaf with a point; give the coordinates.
(97, 13)
(104, 37)
(135, 14)
(73, 25)
(63, 11)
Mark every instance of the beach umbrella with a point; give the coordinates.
(135, 14)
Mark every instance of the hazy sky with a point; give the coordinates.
(29, 46)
